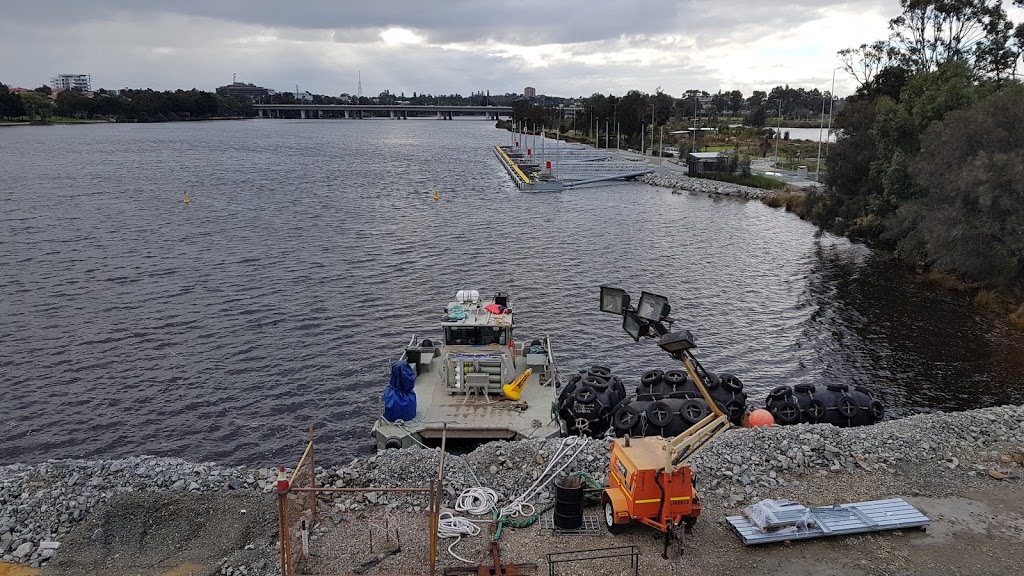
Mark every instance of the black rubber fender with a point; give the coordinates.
(847, 407)
(780, 392)
(838, 387)
(585, 395)
(877, 410)
(625, 417)
(804, 388)
(693, 411)
(675, 377)
(660, 413)
(651, 377)
(730, 382)
(815, 410)
(786, 412)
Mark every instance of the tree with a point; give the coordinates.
(37, 106)
(10, 104)
(931, 32)
(757, 117)
(973, 217)
(864, 62)
(996, 55)
(735, 102)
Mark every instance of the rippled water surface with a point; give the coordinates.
(312, 251)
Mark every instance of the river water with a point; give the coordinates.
(311, 252)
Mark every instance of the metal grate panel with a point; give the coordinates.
(591, 525)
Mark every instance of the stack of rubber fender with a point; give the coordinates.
(835, 404)
(667, 403)
(585, 404)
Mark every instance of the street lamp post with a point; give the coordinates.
(778, 132)
(831, 96)
(831, 104)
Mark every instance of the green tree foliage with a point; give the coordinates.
(928, 161)
(37, 105)
(10, 104)
(972, 164)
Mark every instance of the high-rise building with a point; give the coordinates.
(81, 82)
(529, 92)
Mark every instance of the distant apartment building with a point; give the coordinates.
(242, 90)
(81, 82)
(529, 92)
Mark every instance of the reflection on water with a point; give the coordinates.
(311, 252)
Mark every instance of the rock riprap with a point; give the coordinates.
(42, 503)
(702, 185)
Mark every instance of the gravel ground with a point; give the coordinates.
(961, 469)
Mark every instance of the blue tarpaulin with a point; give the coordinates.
(399, 398)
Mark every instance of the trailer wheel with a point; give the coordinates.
(609, 518)
(688, 524)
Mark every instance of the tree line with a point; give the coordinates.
(930, 155)
(126, 105)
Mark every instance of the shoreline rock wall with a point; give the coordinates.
(41, 504)
(701, 185)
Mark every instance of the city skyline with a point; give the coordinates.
(574, 49)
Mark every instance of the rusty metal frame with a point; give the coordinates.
(307, 497)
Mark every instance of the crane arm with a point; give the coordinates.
(680, 449)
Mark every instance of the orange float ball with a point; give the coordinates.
(761, 417)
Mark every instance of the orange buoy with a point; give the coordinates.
(761, 417)
(186, 197)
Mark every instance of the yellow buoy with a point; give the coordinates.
(436, 196)
(514, 389)
(186, 197)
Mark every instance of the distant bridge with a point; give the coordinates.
(396, 111)
(365, 110)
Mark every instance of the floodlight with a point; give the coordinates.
(633, 325)
(676, 343)
(652, 307)
(614, 300)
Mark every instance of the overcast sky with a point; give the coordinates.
(561, 47)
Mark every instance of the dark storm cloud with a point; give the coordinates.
(520, 22)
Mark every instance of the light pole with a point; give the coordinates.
(778, 131)
(821, 126)
(831, 104)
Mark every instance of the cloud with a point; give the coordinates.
(569, 48)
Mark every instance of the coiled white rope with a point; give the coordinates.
(563, 457)
(481, 500)
(476, 501)
(451, 526)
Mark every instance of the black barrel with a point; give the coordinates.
(568, 503)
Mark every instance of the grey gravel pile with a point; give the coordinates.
(40, 504)
(701, 185)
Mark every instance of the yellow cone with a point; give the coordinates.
(514, 389)
(186, 197)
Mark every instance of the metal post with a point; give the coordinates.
(821, 127)
(643, 130)
(661, 145)
(832, 98)
(605, 133)
(312, 478)
(652, 130)
(778, 130)
(617, 136)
